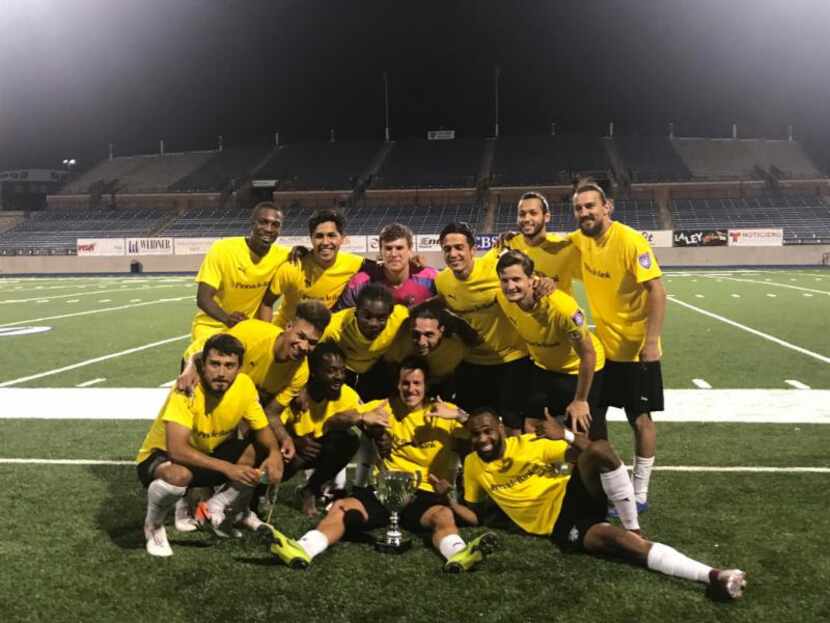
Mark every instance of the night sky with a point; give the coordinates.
(78, 74)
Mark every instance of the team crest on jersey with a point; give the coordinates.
(578, 318)
(645, 260)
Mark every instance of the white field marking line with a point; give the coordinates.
(701, 384)
(95, 311)
(168, 383)
(94, 293)
(699, 296)
(772, 296)
(806, 294)
(135, 300)
(91, 382)
(736, 296)
(88, 362)
(105, 301)
(743, 327)
(73, 301)
(753, 469)
(796, 384)
(779, 285)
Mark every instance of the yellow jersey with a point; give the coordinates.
(614, 268)
(556, 257)
(421, 444)
(280, 379)
(474, 300)
(310, 280)
(548, 329)
(525, 483)
(361, 352)
(240, 282)
(442, 361)
(312, 420)
(207, 430)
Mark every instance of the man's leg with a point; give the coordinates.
(645, 445)
(338, 448)
(605, 539)
(167, 485)
(514, 384)
(604, 476)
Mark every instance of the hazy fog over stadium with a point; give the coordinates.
(76, 75)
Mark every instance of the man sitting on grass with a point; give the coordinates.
(421, 438)
(193, 443)
(522, 476)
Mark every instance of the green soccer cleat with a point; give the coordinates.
(475, 551)
(287, 550)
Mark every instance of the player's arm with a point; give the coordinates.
(266, 307)
(578, 409)
(444, 488)
(206, 302)
(272, 464)
(377, 417)
(273, 411)
(180, 450)
(655, 313)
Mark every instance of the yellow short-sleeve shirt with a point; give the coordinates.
(442, 361)
(556, 257)
(312, 420)
(361, 352)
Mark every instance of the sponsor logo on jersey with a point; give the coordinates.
(645, 260)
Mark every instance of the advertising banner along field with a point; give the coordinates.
(701, 238)
(756, 237)
(149, 246)
(99, 246)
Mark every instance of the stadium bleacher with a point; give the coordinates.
(225, 170)
(547, 160)
(419, 163)
(723, 159)
(421, 219)
(651, 159)
(319, 165)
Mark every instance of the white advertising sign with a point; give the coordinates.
(427, 242)
(756, 237)
(658, 238)
(99, 246)
(192, 246)
(149, 246)
(354, 244)
(440, 135)
(373, 244)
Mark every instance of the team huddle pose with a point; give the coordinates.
(482, 380)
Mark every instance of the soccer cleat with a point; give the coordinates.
(215, 522)
(157, 544)
(287, 550)
(642, 507)
(250, 521)
(183, 520)
(729, 584)
(475, 551)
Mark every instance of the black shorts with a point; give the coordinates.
(410, 517)
(229, 450)
(580, 510)
(503, 387)
(636, 386)
(374, 384)
(555, 391)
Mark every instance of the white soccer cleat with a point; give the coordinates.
(730, 584)
(215, 522)
(183, 520)
(250, 521)
(157, 544)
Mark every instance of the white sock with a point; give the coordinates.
(230, 497)
(451, 545)
(619, 490)
(642, 474)
(313, 543)
(161, 497)
(339, 481)
(365, 458)
(668, 560)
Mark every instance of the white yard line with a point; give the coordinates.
(91, 382)
(701, 384)
(168, 383)
(89, 362)
(93, 293)
(796, 384)
(743, 327)
(95, 311)
(767, 282)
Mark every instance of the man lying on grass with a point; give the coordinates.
(193, 443)
(422, 438)
(521, 475)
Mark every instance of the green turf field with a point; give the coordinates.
(74, 548)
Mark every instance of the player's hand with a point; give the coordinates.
(379, 416)
(297, 253)
(650, 352)
(419, 262)
(244, 474)
(383, 443)
(549, 428)
(307, 448)
(441, 409)
(273, 468)
(287, 449)
(504, 238)
(187, 380)
(234, 318)
(441, 486)
(580, 415)
(542, 286)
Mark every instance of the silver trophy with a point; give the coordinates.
(395, 490)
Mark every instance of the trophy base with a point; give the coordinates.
(387, 547)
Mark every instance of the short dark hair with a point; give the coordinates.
(458, 228)
(514, 257)
(265, 205)
(395, 231)
(224, 344)
(414, 362)
(483, 411)
(314, 313)
(534, 195)
(326, 216)
(330, 349)
(375, 292)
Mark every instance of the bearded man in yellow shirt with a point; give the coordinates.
(193, 443)
(415, 436)
(523, 476)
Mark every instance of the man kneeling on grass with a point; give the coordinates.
(193, 443)
(421, 437)
(522, 476)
